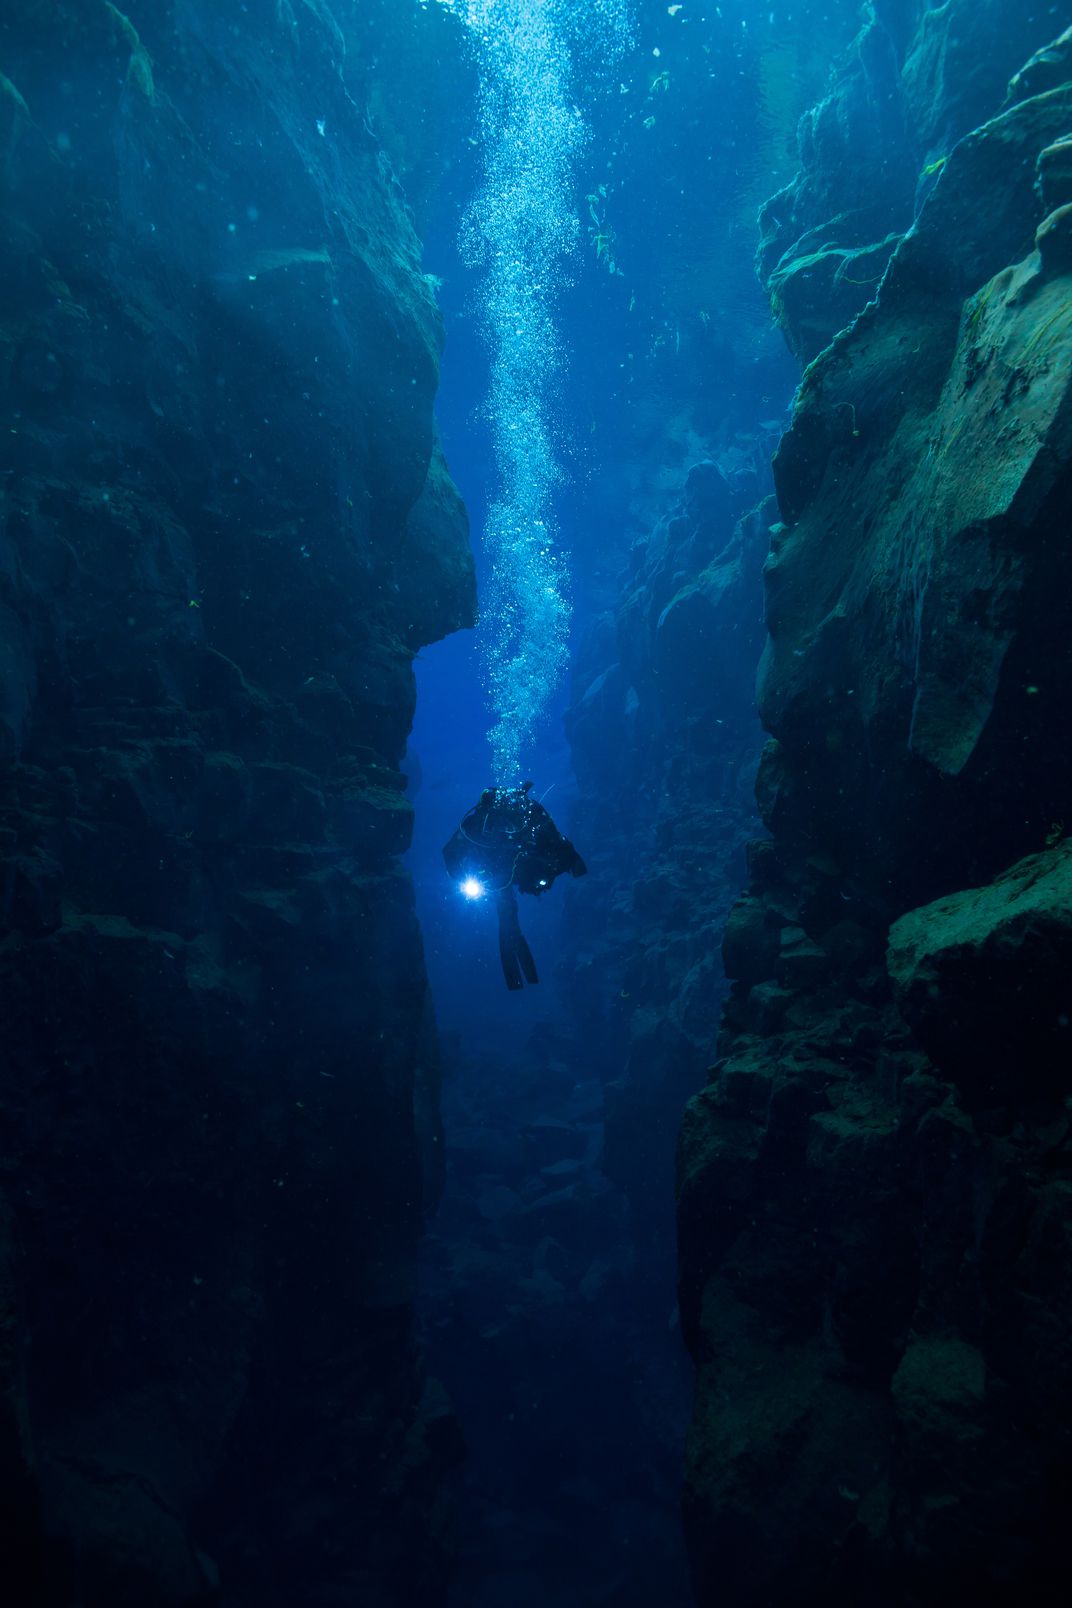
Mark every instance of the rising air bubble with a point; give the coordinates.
(520, 228)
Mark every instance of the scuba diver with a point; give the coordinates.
(508, 841)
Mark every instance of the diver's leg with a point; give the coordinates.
(509, 937)
(524, 955)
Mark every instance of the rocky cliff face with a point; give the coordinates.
(874, 1187)
(224, 532)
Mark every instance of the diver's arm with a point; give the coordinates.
(567, 859)
(576, 867)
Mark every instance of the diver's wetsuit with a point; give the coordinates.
(508, 841)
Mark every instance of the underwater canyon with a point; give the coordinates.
(715, 364)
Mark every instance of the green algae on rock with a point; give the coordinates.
(984, 977)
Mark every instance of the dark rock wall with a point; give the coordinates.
(874, 1186)
(224, 531)
(917, 78)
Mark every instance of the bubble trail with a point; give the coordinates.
(521, 228)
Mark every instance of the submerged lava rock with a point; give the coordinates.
(874, 1189)
(915, 81)
(826, 238)
(984, 978)
(1055, 174)
(905, 578)
(224, 531)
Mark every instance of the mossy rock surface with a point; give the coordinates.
(985, 979)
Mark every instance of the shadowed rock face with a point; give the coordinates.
(982, 977)
(224, 530)
(924, 481)
(915, 81)
(874, 1206)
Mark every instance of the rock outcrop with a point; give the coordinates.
(916, 80)
(224, 531)
(874, 1186)
(983, 979)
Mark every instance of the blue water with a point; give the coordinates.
(256, 1296)
(636, 351)
(575, 1412)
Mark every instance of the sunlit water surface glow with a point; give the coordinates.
(520, 228)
